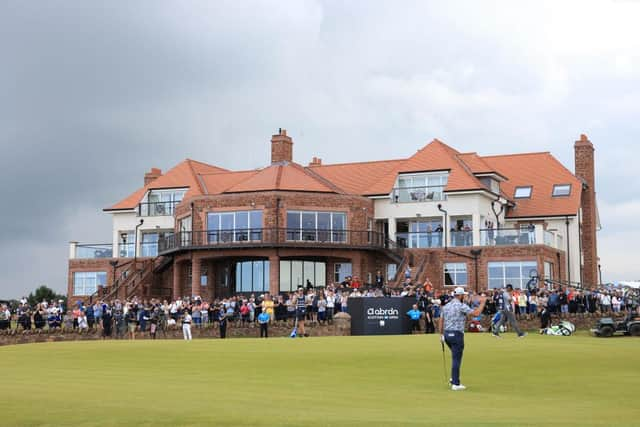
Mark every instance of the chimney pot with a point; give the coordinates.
(315, 161)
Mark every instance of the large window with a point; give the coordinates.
(149, 244)
(342, 271)
(294, 274)
(420, 188)
(425, 233)
(455, 274)
(252, 276)
(237, 226)
(185, 230)
(87, 282)
(516, 273)
(126, 244)
(316, 226)
(161, 202)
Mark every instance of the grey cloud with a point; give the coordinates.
(93, 94)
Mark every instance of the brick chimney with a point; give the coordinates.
(585, 171)
(281, 147)
(315, 162)
(152, 175)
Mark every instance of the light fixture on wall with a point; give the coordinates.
(253, 204)
(418, 215)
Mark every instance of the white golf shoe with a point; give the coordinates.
(458, 387)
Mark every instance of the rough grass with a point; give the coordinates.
(341, 381)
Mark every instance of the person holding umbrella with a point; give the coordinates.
(451, 327)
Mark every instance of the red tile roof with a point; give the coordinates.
(541, 171)
(183, 175)
(284, 176)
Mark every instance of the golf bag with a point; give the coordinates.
(494, 321)
(564, 328)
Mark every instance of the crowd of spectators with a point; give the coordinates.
(122, 319)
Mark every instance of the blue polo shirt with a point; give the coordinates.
(263, 317)
(414, 314)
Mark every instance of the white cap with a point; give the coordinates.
(459, 291)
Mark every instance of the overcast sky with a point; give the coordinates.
(93, 94)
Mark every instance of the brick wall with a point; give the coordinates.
(585, 170)
(434, 260)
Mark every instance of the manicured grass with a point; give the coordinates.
(333, 381)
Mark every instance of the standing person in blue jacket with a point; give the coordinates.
(451, 327)
(263, 320)
(415, 315)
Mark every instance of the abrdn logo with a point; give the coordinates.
(382, 312)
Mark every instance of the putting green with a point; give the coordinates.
(332, 381)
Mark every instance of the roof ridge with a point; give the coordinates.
(194, 175)
(207, 164)
(224, 172)
(327, 183)
(357, 163)
(278, 176)
(516, 154)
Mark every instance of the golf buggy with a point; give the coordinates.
(606, 326)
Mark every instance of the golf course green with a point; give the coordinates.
(331, 381)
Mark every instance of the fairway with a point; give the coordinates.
(336, 381)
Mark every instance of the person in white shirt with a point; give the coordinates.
(331, 299)
(186, 326)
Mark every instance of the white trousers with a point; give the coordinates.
(186, 331)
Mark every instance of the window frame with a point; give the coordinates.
(556, 186)
(506, 278)
(454, 272)
(523, 187)
(85, 276)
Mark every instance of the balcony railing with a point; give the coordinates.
(420, 239)
(87, 251)
(461, 238)
(507, 237)
(418, 194)
(157, 208)
(282, 237)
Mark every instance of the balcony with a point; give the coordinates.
(418, 194)
(274, 237)
(461, 238)
(157, 208)
(507, 237)
(88, 251)
(418, 240)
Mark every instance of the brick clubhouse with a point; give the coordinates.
(457, 219)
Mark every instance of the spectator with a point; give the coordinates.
(186, 325)
(414, 314)
(263, 320)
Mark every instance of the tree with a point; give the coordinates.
(44, 293)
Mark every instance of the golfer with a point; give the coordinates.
(506, 314)
(451, 326)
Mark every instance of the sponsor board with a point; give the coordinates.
(379, 316)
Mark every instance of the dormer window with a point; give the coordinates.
(561, 190)
(523, 192)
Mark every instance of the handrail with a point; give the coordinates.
(272, 236)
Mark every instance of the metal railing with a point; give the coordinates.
(420, 239)
(88, 251)
(284, 237)
(507, 237)
(157, 208)
(418, 194)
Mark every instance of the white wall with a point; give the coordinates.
(477, 206)
(127, 221)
